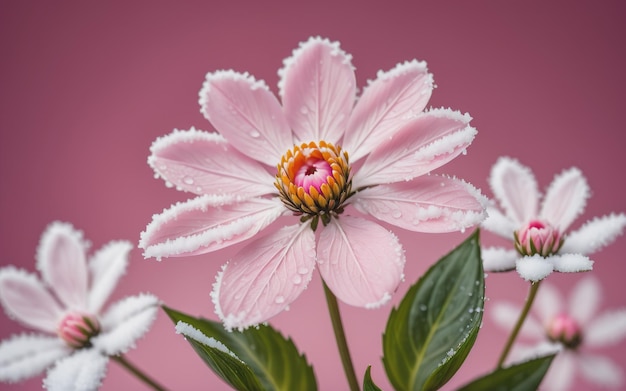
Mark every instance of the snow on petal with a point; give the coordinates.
(498, 223)
(125, 322)
(585, 299)
(386, 104)
(24, 297)
(205, 163)
(106, 267)
(191, 332)
(571, 263)
(601, 371)
(498, 259)
(595, 234)
(565, 198)
(24, 356)
(247, 114)
(506, 314)
(318, 89)
(426, 204)
(515, 187)
(361, 262)
(425, 143)
(534, 268)
(606, 329)
(61, 261)
(82, 371)
(265, 277)
(205, 224)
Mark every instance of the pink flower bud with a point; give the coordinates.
(76, 329)
(538, 237)
(565, 329)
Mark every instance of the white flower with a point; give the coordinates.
(575, 329)
(67, 305)
(539, 231)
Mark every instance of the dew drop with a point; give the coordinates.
(255, 133)
(423, 307)
(279, 300)
(304, 110)
(297, 279)
(396, 214)
(188, 180)
(303, 270)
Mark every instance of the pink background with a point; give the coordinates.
(87, 86)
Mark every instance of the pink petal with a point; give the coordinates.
(265, 277)
(318, 89)
(24, 356)
(565, 198)
(498, 223)
(386, 105)
(205, 224)
(247, 114)
(82, 371)
(602, 371)
(606, 329)
(585, 300)
(498, 259)
(61, 260)
(595, 234)
(560, 376)
(425, 143)
(205, 163)
(25, 298)
(125, 322)
(426, 204)
(361, 262)
(515, 187)
(106, 267)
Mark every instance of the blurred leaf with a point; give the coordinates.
(430, 333)
(274, 361)
(368, 384)
(520, 377)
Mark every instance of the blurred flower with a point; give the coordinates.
(312, 157)
(542, 243)
(575, 330)
(71, 311)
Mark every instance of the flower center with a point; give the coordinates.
(313, 180)
(538, 237)
(565, 330)
(77, 329)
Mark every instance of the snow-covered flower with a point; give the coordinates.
(67, 305)
(540, 234)
(314, 157)
(575, 329)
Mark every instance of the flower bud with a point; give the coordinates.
(565, 330)
(538, 237)
(76, 329)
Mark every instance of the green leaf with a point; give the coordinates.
(430, 333)
(368, 384)
(273, 361)
(520, 377)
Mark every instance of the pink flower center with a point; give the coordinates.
(314, 172)
(565, 329)
(77, 329)
(538, 237)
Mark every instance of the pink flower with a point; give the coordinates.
(318, 157)
(540, 234)
(67, 305)
(575, 330)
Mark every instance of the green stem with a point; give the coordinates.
(137, 372)
(518, 326)
(340, 336)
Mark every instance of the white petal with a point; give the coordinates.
(82, 371)
(498, 259)
(498, 223)
(585, 299)
(515, 187)
(606, 329)
(571, 263)
(602, 371)
(561, 374)
(548, 303)
(566, 198)
(125, 322)
(506, 315)
(106, 267)
(24, 356)
(595, 234)
(534, 268)
(61, 260)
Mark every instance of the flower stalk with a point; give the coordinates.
(340, 336)
(120, 359)
(534, 286)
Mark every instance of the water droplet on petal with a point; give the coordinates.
(303, 270)
(396, 214)
(304, 110)
(279, 299)
(188, 180)
(255, 133)
(297, 279)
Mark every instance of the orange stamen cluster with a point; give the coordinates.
(329, 196)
